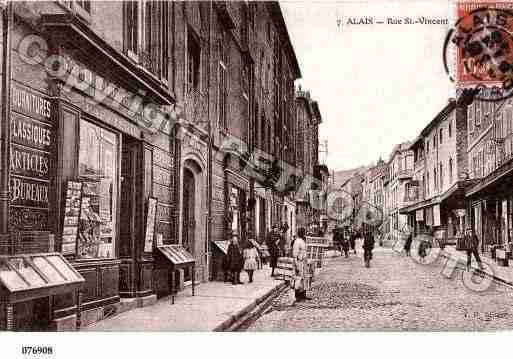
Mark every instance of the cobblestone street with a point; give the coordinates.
(395, 293)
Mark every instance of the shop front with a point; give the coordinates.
(442, 217)
(82, 172)
(490, 209)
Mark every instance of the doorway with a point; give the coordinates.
(189, 218)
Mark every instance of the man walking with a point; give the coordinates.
(368, 246)
(471, 246)
(272, 243)
(352, 240)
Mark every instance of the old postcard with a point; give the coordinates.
(255, 166)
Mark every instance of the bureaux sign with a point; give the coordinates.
(32, 140)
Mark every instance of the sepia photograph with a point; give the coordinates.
(254, 167)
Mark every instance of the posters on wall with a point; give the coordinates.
(150, 224)
(71, 217)
(436, 215)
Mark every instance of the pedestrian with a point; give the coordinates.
(368, 246)
(471, 246)
(352, 241)
(236, 260)
(424, 245)
(250, 255)
(407, 244)
(341, 241)
(272, 241)
(300, 265)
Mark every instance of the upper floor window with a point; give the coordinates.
(146, 34)
(477, 120)
(441, 136)
(441, 176)
(450, 129)
(222, 91)
(435, 179)
(86, 5)
(450, 170)
(193, 61)
(131, 9)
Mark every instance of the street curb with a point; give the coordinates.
(237, 317)
(477, 270)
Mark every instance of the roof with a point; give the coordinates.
(275, 10)
(404, 146)
(442, 115)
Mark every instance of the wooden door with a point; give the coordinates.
(188, 217)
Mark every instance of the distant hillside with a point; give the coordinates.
(344, 175)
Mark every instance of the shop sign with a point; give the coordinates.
(164, 213)
(31, 104)
(32, 141)
(436, 215)
(29, 162)
(28, 192)
(32, 133)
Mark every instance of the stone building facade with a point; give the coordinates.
(137, 112)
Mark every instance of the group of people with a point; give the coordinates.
(344, 241)
(246, 257)
(347, 240)
(470, 244)
(240, 258)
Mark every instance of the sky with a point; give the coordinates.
(376, 85)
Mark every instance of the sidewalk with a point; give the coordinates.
(215, 306)
(491, 268)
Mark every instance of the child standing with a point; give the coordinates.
(250, 260)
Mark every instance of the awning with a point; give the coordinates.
(29, 276)
(491, 179)
(222, 245)
(176, 254)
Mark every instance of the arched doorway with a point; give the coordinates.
(189, 218)
(192, 233)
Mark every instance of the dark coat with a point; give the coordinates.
(368, 242)
(407, 243)
(235, 258)
(338, 236)
(272, 245)
(471, 242)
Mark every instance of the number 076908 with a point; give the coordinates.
(36, 350)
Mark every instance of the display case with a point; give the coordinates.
(178, 258)
(32, 276)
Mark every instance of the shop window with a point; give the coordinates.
(97, 169)
(193, 61)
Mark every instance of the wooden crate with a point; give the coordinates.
(285, 267)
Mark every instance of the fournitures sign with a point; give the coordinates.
(32, 142)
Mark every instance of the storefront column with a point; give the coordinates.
(5, 121)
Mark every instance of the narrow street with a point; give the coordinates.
(395, 293)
